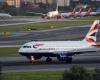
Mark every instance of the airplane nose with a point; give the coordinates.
(20, 50)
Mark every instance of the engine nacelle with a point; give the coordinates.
(64, 57)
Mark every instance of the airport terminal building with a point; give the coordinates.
(50, 4)
(63, 3)
(17, 3)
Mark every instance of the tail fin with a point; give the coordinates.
(79, 12)
(91, 35)
(73, 12)
(57, 7)
(88, 12)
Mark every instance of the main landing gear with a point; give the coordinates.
(49, 59)
(33, 58)
(67, 59)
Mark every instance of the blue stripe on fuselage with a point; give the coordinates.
(39, 54)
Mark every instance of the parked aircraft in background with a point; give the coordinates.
(94, 13)
(68, 14)
(78, 13)
(83, 14)
(56, 14)
(63, 50)
(5, 15)
(88, 13)
(51, 14)
(62, 15)
(48, 15)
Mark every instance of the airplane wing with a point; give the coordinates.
(72, 53)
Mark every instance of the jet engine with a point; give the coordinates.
(64, 57)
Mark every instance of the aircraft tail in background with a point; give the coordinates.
(88, 12)
(73, 12)
(78, 13)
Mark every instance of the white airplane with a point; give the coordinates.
(55, 14)
(75, 13)
(48, 15)
(68, 14)
(63, 50)
(88, 13)
(81, 13)
(51, 14)
(78, 13)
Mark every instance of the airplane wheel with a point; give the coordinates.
(48, 60)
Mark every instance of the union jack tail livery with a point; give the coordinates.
(91, 35)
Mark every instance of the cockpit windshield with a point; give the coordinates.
(26, 46)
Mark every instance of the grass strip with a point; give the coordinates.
(9, 51)
(42, 26)
(49, 25)
(50, 75)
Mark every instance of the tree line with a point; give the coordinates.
(80, 73)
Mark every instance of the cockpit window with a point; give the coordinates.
(34, 46)
(26, 46)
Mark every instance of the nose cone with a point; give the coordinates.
(20, 50)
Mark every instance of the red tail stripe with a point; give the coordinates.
(90, 40)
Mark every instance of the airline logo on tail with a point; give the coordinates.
(91, 36)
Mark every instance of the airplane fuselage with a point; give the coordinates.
(56, 47)
(52, 14)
